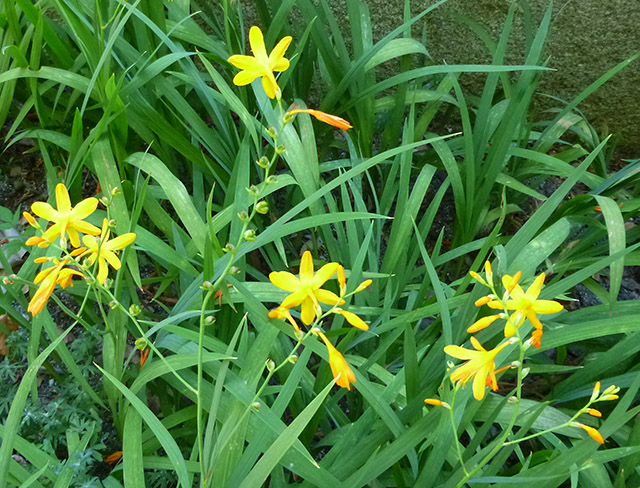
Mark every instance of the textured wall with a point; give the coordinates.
(587, 37)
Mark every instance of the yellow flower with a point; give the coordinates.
(333, 120)
(67, 220)
(526, 304)
(306, 290)
(260, 65)
(283, 313)
(102, 249)
(436, 403)
(49, 278)
(339, 368)
(481, 364)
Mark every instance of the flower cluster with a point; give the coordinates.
(522, 305)
(306, 291)
(68, 222)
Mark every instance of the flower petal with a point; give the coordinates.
(46, 211)
(293, 300)
(324, 274)
(62, 198)
(119, 242)
(277, 61)
(547, 307)
(270, 85)
(460, 352)
(306, 267)
(284, 280)
(85, 208)
(245, 77)
(353, 319)
(308, 313)
(534, 290)
(245, 62)
(328, 297)
(256, 40)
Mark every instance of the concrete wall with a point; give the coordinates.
(587, 37)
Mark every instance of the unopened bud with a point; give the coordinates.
(256, 406)
(271, 180)
(293, 359)
(249, 235)
(6, 281)
(243, 215)
(280, 149)
(141, 343)
(134, 309)
(270, 364)
(113, 304)
(363, 285)
(234, 270)
(115, 191)
(287, 118)
(206, 285)
(525, 372)
(229, 248)
(108, 283)
(104, 201)
(263, 162)
(210, 319)
(253, 190)
(112, 223)
(512, 399)
(262, 207)
(272, 132)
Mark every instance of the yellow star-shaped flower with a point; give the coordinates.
(67, 220)
(526, 305)
(261, 65)
(306, 290)
(103, 249)
(480, 364)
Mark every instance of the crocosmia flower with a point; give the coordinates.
(67, 220)
(48, 279)
(306, 290)
(261, 65)
(333, 120)
(339, 367)
(104, 250)
(480, 366)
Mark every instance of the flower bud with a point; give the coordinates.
(229, 248)
(243, 215)
(262, 207)
(272, 132)
(104, 201)
(263, 162)
(249, 235)
(280, 149)
(293, 359)
(270, 364)
(234, 270)
(113, 304)
(108, 283)
(134, 309)
(253, 190)
(525, 372)
(141, 343)
(112, 223)
(31, 220)
(363, 285)
(209, 320)
(256, 406)
(206, 285)
(596, 391)
(115, 191)
(287, 118)
(6, 280)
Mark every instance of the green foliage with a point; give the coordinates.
(133, 103)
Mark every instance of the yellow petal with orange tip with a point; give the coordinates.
(482, 301)
(339, 368)
(113, 458)
(330, 119)
(436, 403)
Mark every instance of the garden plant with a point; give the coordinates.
(262, 248)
